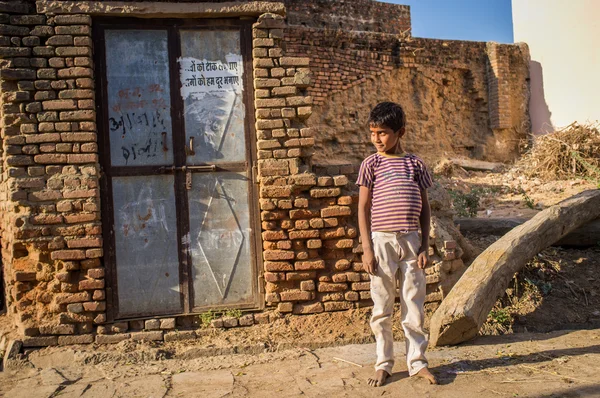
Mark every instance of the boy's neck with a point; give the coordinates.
(395, 151)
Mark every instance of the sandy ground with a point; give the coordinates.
(558, 364)
(505, 195)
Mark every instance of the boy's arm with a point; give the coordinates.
(364, 225)
(425, 221)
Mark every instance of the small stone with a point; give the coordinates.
(230, 322)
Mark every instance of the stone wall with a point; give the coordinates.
(461, 98)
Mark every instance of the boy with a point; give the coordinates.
(392, 205)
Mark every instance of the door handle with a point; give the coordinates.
(190, 151)
(164, 141)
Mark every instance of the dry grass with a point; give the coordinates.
(573, 152)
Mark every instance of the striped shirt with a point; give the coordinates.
(395, 182)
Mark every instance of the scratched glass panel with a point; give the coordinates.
(220, 239)
(139, 103)
(211, 71)
(146, 245)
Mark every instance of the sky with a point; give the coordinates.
(477, 20)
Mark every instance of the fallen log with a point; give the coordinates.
(466, 308)
(477, 165)
(585, 236)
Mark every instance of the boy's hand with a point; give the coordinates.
(369, 262)
(423, 259)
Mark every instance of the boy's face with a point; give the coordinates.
(385, 139)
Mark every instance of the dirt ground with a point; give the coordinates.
(557, 364)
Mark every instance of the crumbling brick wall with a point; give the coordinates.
(461, 98)
(362, 15)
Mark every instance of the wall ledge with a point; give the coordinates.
(159, 9)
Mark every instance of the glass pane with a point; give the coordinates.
(139, 102)
(211, 86)
(220, 239)
(146, 245)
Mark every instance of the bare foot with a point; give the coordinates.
(426, 374)
(379, 379)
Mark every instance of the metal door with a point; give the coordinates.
(178, 169)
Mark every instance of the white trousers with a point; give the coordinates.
(397, 252)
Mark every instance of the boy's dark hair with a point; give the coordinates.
(388, 114)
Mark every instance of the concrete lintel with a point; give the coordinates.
(159, 9)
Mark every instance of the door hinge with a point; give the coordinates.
(261, 284)
(255, 174)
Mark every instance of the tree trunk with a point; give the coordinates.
(466, 308)
(585, 236)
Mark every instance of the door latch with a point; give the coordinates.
(188, 180)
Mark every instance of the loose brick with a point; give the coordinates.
(112, 338)
(79, 339)
(57, 329)
(147, 336)
(180, 335)
(40, 341)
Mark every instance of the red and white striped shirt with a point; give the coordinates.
(395, 182)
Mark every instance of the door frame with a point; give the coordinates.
(173, 26)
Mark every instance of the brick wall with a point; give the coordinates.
(359, 15)
(52, 236)
(455, 93)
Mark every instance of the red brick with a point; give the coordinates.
(95, 306)
(50, 158)
(296, 295)
(83, 158)
(274, 235)
(361, 286)
(332, 233)
(339, 244)
(96, 273)
(278, 255)
(87, 242)
(336, 211)
(94, 253)
(68, 255)
(300, 276)
(303, 213)
(314, 308)
(332, 287)
(278, 266)
(304, 234)
(309, 265)
(68, 298)
(91, 284)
